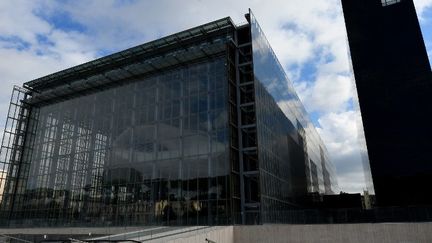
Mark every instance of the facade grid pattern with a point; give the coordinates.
(207, 131)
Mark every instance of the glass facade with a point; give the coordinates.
(293, 159)
(149, 152)
(198, 128)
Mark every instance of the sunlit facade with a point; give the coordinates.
(200, 127)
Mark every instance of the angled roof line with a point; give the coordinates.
(118, 58)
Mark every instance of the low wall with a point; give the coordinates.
(274, 233)
(217, 234)
(334, 233)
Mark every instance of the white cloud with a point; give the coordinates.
(17, 19)
(329, 92)
(339, 132)
(422, 5)
(352, 181)
(293, 47)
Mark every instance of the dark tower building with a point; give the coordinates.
(394, 85)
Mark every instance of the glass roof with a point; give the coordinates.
(127, 56)
(135, 69)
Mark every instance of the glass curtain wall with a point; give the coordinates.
(293, 161)
(153, 151)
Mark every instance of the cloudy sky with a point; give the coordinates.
(39, 37)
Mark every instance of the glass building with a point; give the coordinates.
(199, 127)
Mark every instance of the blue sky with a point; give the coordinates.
(308, 36)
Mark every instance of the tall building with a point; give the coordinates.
(394, 85)
(199, 127)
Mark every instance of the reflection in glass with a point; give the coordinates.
(293, 160)
(148, 152)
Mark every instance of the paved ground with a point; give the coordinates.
(145, 233)
(72, 230)
(39, 234)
